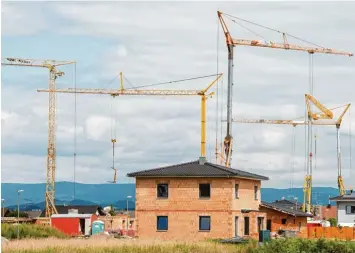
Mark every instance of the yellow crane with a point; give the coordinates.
(54, 73)
(153, 92)
(323, 118)
(231, 43)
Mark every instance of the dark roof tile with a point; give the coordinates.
(285, 209)
(346, 197)
(194, 169)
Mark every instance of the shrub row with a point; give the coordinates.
(9, 231)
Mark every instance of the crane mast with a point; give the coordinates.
(231, 43)
(51, 65)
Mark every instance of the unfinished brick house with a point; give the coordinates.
(285, 217)
(197, 200)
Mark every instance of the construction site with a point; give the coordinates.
(213, 196)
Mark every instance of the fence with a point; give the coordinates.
(344, 233)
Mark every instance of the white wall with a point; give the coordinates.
(345, 219)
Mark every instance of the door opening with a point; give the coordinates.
(268, 225)
(236, 226)
(82, 226)
(260, 224)
(246, 225)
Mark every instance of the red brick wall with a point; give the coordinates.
(292, 223)
(183, 207)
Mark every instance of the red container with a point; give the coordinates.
(73, 224)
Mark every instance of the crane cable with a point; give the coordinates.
(293, 150)
(75, 132)
(113, 131)
(175, 81)
(217, 93)
(350, 144)
(311, 89)
(271, 29)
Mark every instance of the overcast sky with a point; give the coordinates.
(158, 42)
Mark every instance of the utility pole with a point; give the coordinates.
(3, 208)
(18, 213)
(128, 197)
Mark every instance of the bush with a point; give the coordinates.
(9, 231)
(13, 213)
(304, 245)
(333, 222)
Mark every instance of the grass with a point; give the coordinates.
(103, 244)
(9, 231)
(306, 246)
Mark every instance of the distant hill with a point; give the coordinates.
(115, 194)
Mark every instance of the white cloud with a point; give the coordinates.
(19, 19)
(96, 126)
(179, 43)
(122, 51)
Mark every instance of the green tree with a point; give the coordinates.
(112, 211)
(13, 213)
(333, 222)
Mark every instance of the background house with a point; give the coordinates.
(90, 209)
(285, 217)
(197, 200)
(345, 209)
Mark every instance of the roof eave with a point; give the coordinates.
(187, 176)
(283, 211)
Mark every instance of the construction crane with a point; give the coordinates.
(51, 65)
(145, 92)
(231, 43)
(323, 118)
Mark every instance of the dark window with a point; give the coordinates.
(299, 226)
(350, 209)
(162, 190)
(205, 223)
(162, 223)
(236, 191)
(256, 192)
(205, 191)
(246, 225)
(268, 225)
(283, 221)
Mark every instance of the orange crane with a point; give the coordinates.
(323, 118)
(231, 43)
(51, 65)
(154, 92)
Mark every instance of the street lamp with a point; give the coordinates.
(18, 213)
(128, 197)
(3, 207)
